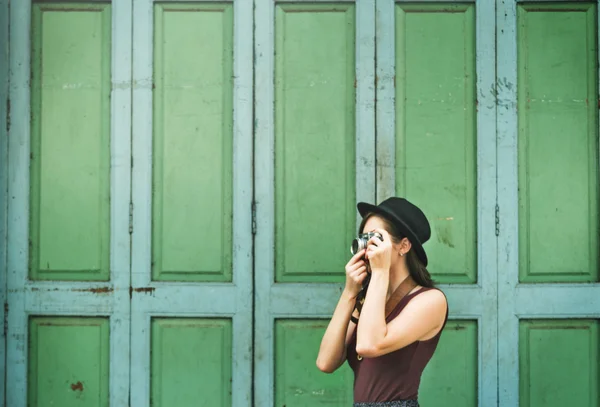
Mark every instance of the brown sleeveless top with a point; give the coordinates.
(396, 375)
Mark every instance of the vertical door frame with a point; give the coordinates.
(18, 206)
(271, 299)
(65, 298)
(4, 63)
(466, 301)
(521, 301)
(224, 300)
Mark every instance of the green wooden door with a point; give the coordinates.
(191, 310)
(435, 66)
(4, 62)
(314, 157)
(549, 296)
(68, 212)
(180, 191)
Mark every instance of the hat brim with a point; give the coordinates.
(365, 208)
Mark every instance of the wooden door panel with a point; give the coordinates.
(192, 204)
(314, 140)
(68, 255)
(570, 374)
(68, 361)
(558, 143)
(452, 374)
(297, 383)
(70, 149)
(548, 199)
(436, 147)
(192, 143)
(314, 155)
(191, 361)
(436, 151)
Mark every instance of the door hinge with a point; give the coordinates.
(5, 319)
(130, 217)
(253, 218)
(7, 115)
(497, 220)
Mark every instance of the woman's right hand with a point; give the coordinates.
(356, 272)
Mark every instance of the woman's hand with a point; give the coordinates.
(356, 271)
(379, 253)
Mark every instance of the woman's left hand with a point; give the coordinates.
(379, 253)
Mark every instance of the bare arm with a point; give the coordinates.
(422, 315)
(332, 352)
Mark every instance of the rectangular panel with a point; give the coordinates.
(314, 140)
(68, 362)
(193, 132)
(558, 363)
(70, 147)
(298, 382)
(558, 143)
(450, 378)
(191, 362)
(436, 153)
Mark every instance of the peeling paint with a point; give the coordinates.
(77, 386)
(96, 290)
(146, 290)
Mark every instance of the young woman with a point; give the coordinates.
(387, 348)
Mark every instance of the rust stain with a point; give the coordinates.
(145, 290)
(77, 386)
(97, 290)
(456, 328)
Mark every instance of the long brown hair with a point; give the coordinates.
(416, 268)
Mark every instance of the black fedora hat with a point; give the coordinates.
(407, 217)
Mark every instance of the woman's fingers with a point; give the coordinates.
(356, 265)
(361, 276)
(357, 256)
(358, 272)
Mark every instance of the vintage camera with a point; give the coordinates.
(362, 240)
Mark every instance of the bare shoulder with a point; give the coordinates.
(430, 299)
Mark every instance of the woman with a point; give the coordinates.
(387, 349)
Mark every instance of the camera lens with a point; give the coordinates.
(355, 246)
